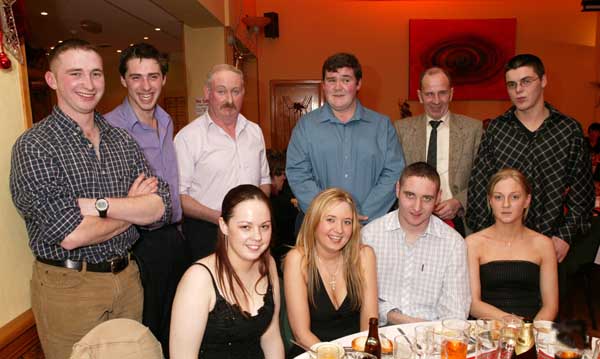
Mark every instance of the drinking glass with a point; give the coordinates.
(454, 345)
(402, 349)
(596, 350)
(508, 336)
(484, 324)
(487, 342)
(545, 338)
(456, 325)
(328, 351)
(423, 344)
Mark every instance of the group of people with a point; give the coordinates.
(117, 210)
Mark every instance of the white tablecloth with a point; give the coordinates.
(390, 332)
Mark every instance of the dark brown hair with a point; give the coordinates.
(342, 59)
(233, 198)
(526, 60)
(143, 51)
(420, 169)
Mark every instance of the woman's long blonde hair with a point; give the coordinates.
(306, 244)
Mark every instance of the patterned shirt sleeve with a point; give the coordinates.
(35, 184)
(580, 195)
(455, 300)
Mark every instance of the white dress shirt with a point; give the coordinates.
(443, 152)
(211, 162)
(427, 279)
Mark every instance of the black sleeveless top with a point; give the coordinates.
(512, 286)
(229, 334)
(326, 322)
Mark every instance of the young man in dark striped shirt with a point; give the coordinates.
(548, 147)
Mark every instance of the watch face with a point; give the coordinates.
(101, 204)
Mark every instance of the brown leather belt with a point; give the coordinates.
(114, 266)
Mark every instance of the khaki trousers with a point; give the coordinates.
(67, 303)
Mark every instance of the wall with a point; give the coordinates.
(377, 32)
(15, 257)
(204, 48)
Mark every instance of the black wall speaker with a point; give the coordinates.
(272, 29)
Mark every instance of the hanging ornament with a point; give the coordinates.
(4, 60)
(9, 28)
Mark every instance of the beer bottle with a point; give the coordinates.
(373, 345)
(525, 346)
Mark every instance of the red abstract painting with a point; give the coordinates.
(474, 53)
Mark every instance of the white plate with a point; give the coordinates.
(316, 346)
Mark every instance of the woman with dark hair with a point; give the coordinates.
(239, 317)
(512, 269)
(330, 277)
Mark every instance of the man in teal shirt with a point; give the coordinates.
(343, 144)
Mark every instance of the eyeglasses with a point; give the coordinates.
(524, 82)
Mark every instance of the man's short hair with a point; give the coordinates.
(595, 126)
(433, 71)
(223, 67)
(141, 51)
(526, 60)
(70, 44)
(423, 170)
(339, 60)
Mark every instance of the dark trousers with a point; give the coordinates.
(201, 237)
(162, 258)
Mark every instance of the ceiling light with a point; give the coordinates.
(130, 44)
(60, 41)
(51, 47)
(119, 51)
(157, 29)
(43, 13)
(146, 37)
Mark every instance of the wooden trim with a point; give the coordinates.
(25, 96)
(19, 337)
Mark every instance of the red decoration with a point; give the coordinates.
(474, 52)
(4, 60)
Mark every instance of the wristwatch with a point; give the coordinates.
(102, 207)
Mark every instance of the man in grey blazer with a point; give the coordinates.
(447, 141)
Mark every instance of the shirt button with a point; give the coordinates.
(103, 172)
(90, 145)
(346, 175)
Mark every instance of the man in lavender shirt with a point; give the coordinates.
(160, 252)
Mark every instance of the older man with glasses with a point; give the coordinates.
(548, 147)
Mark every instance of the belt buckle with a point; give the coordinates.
(116, 266)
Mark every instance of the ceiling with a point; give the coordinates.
(114, 24)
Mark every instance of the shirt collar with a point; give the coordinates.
(444, 119)
(240, 123)
(162, 117)
(359, 114)
(393, 224)
(70, 124)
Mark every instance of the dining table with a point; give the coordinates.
(390, 332)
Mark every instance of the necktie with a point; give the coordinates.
(432, 149)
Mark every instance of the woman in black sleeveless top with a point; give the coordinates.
(512, 269)
(330, 278)
(227, 304)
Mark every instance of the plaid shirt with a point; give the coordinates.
(557, 163)
(428, 279)
(54, 164)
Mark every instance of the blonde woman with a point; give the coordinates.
(330, 278)
(512, 269)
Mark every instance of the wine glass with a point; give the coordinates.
(486, 346)
(508, 336)
(484, 324)
(402, 349)
(456, 325)
(423, 344)
(328, 351)
(454, 345)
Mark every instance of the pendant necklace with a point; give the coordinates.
(332, 277)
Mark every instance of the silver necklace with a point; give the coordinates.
(332, 277)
